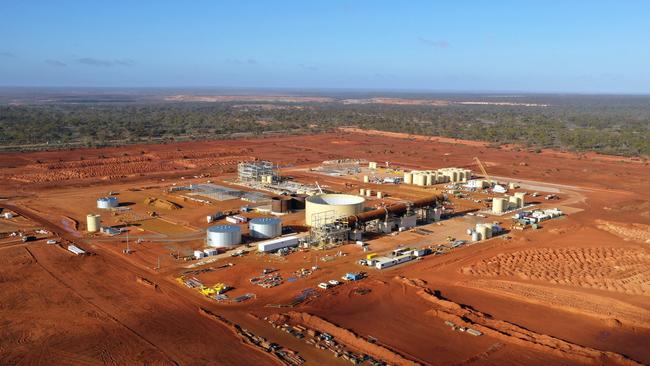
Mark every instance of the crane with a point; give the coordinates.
(480, 165)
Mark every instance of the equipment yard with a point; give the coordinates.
(352, 246)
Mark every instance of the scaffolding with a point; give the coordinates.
(329, 230)
(248, 171)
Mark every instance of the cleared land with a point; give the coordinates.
(573, 292)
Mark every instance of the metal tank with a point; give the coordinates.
(514, 202)
(408, 178)
(323, 208)
(223, 236)
(265, 227)
(521, 196)
(281, 204)
(497, 205)
(107, 202)
(93, 223)
(429, 179)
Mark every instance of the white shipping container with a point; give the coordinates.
(279, 243)
(76, 250)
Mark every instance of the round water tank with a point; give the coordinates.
(265, 227)
(107, 202)
(324, 208)
(223, 236)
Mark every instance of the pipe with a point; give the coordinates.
(395, 209)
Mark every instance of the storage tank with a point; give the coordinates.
(420, 179)
(281, 204)
(362, 192)
(408, 178)
(380, 194)
(223, 236)
(484, 230)
(476, 236)
(366, 179)
(265, 227)
(323, 208)
(368, 192)
(429, 179)
(298, 201)
(515, 202)
(107, 202)
(521, 196)
(93, 223)
(497, 205)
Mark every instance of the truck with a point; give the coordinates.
(28, 238)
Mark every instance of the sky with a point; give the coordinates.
(578, 46)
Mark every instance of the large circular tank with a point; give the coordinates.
(93, 222)
(323, 208)
(265, 227)
(107, 202)
(497, 205)
(223, 236)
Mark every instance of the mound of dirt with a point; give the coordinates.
(162, 204)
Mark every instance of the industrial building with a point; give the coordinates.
(223, 236)
(265, 227)
(256, 171)
(107, 203)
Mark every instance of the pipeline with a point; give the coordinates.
(395, 209)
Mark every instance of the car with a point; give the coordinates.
(324, 285)
(51, 241)
(334, 282)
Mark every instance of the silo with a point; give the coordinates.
(497, 205)
(223, 236)
(380, 195)
(515, 202)
(93, 223)
(366, 179)
(488, 231)
(482, 231)
(408, 178)
(265, 227)
(420, 179)
(368, 192)
(476, 236)
(521, 196)
(454, 176)
(429, 179)
(362, 192)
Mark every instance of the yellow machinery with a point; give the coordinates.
(480, 165)
(371, 256)
(218, 288)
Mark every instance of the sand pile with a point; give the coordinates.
(161, 204)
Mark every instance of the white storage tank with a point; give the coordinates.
(429, 180)
(107, 202)
(223, 236)
(521, 196)
(265, 227)
(498, 204)
(366, 179)
(323, 208)
(362, 192)
(93, 222)
(408, 178)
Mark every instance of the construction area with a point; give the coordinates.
(345, 247)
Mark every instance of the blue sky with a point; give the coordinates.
(537, 46)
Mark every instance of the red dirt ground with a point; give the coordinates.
(583, 279)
